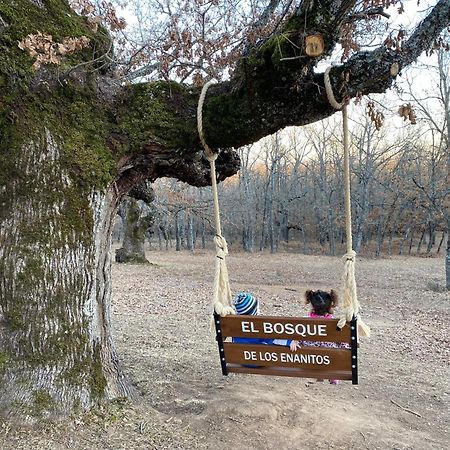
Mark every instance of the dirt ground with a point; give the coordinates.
(161, 325)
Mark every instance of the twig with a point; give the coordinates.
(291, 58)
(142, 427)
(406, 409)
(364, 438)
(235, 420)
(290, 289)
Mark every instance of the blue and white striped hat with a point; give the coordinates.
(245, 303)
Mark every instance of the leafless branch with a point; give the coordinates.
(364, 15)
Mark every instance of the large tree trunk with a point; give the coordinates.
(132, 250)
(137, 219)
(57, 350)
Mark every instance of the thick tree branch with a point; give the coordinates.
(370, 72)
(152, 128)
(268, 93)
(272, 94)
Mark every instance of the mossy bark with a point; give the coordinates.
(56, 344)
(74, 142)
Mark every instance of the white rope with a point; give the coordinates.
(329, 90)
(222, 298)
(350, 307)
(208, 152)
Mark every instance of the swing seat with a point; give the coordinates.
(328, 363)
(278, 360)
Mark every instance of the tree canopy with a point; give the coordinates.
(273, 82)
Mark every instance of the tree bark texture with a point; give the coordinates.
(447, 259)
(56, 348)
(74, 142)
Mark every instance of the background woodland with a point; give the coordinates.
(288, 194)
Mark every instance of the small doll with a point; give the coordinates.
(322, 304)
(245, 303)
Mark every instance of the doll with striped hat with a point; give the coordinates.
(246, 304)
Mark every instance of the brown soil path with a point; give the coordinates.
(161, 318)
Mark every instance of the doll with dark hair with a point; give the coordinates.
(322, 304)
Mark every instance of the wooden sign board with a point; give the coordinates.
(306, 329)
(311, 362)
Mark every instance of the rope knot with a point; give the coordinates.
(223, 310)
(349, 256)
(221, 246)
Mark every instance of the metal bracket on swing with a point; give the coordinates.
(354, 349)
(219, 339)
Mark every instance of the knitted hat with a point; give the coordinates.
(246, 304)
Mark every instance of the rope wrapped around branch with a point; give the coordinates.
(222, 298)
(351, 306)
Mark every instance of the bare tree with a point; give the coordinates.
(433, 109)
(247, 199)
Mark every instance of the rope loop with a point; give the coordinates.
(211, 157)
(329, 90)
(209, 154)
(350, 305)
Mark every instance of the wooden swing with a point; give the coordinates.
(310, 362)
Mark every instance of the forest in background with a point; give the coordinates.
(288, 194)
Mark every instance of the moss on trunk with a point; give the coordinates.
(23, 17)
(158, 112)
(55, 167)
(47, 256)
